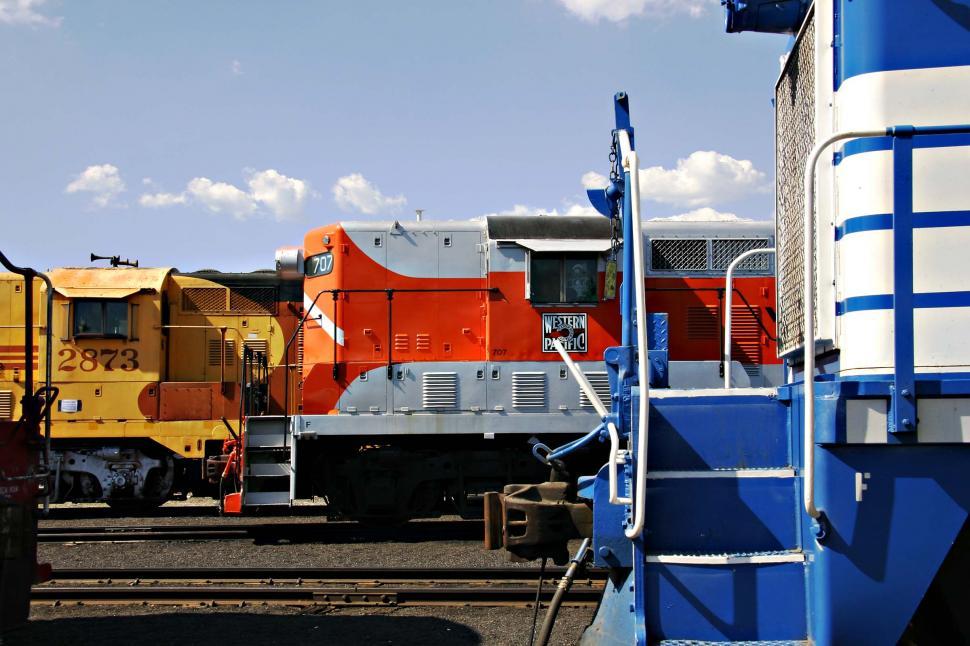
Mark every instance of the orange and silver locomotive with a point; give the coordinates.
(428, 362)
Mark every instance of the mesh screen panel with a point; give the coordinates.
(204, 299)
(678, 255)
(253, 300)
(795, 137)
(723, 252)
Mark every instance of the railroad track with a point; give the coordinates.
(312, 586)
(267, 532)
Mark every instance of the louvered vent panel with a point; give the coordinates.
(528, 389)
(795, 137)
(702, 323)
(256, 345)
(745, 338)
(6, 404)
(439, 390)
(299, 351)
(601, 384)
(215, 358)
(678, 255)
(401, 343)
(204, 299)
(253, 300)
(723, 252)
(422, 342)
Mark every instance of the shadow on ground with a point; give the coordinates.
(219, 628)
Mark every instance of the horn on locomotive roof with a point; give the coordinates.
(115, 261)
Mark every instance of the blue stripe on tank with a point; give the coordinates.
(926, 300)
(884, 222)
(901, 35)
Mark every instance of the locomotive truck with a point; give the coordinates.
(832, 509)
(427, 359)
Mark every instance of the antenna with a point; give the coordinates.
(115, 261)
(419, 213)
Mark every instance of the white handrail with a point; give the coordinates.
(729, 293)
(632, 165)
(808, 295)
(603, 413)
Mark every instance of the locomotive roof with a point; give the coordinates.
(565, 227)
(107, 282)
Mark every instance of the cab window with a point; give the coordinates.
(101, 318)
(563, 278)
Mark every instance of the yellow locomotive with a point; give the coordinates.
(152, 367)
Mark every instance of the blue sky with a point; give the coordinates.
(205, 134)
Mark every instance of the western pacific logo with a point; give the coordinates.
(570, 329)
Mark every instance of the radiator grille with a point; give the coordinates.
(723, 253)
(204, 299)
(6, 404)
(601, 384)
(795, 137)
(528, 389)
(439, 390)
(678, 255)
(703, 323)
(745, 337)
(215, 357)
(252, 300)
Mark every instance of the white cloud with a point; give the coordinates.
(354, 192)
(102, 181)
(592, 180)
(220, 197)
(571, 209)
(703, 178)
(156, 200)
(24, 12)
(236, 68)
(284, 196)
(703, 214)
(621, 10)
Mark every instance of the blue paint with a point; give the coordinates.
(924, 300)
(884, 222)
(765, 16)
(902, 35)
(903, 412)
(881, 144)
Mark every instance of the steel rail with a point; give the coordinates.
(363, 575)
(440, 530)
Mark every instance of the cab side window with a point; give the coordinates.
(101, 318)
(563, 278)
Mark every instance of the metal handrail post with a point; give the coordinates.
(728, 294)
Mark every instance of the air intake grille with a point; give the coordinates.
(215, 358)
(528, 389)
(683, 254)
(724, 252)
(601, 384)
(6, 404)
(204, 299)
(746, 337)
(253, 300)
(703, 323)
(439, 390)
(256, 345)
(795, 136)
